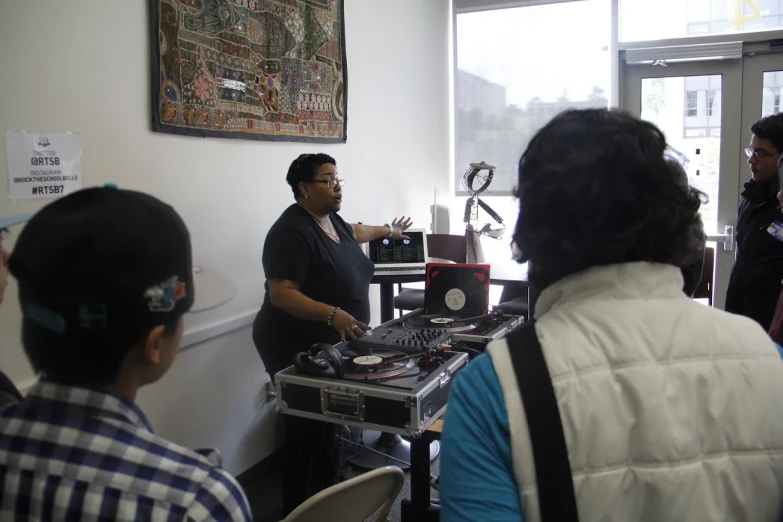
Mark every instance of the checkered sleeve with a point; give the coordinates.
(220, 499)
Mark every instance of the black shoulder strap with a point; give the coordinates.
(556, 497)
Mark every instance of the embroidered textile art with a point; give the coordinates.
(249, 69)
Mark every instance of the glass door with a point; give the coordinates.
(706, 108)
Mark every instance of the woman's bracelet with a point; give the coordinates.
(331, 315)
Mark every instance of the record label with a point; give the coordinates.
(455, 299)
(368, 360)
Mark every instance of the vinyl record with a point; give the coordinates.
(369, 365)
(456, 290)
(437, 322)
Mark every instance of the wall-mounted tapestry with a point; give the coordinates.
(249, 69)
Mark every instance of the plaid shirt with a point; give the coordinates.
(75, 454)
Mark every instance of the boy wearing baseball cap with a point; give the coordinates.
(105, 277)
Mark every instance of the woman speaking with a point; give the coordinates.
(317, 291)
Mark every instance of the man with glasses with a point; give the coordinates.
(755, 282)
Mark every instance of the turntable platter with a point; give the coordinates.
(372, 365)
(436, 322)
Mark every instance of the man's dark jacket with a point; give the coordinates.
(755, 282)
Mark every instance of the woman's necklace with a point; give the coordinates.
(333, 235)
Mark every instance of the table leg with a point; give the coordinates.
(419, 508)
(387, 302)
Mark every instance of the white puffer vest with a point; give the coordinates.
(672, 410)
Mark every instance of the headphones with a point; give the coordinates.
(322, 360)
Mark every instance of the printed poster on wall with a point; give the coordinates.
(43, 165)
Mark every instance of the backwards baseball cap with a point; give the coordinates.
(104, 264)
(17, 219)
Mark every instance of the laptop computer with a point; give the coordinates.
(400, 256)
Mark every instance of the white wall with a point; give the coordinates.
(83, 66)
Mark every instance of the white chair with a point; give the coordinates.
(354, 500)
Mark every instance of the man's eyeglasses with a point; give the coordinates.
(759, 153)
(331, 183)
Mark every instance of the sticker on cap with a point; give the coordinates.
(164, 296)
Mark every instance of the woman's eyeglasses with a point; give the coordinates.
(331, 183)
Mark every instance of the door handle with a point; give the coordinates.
(727, 238)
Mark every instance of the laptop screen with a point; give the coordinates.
(398, 251)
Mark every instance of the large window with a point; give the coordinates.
(550, 58)
(773, 88)
(692, 130)
(660, 19)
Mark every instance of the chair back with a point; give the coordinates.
(447, 246)
(704, 290)
(354, 500)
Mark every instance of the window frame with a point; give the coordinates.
(474, 6)
(616, 50)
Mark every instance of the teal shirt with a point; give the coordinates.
(476, 474)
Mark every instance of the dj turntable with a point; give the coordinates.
(475, 332)
(392, 380)
(395, 379)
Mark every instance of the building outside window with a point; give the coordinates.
(711, 95)
(691, 103)
(506, 89)
(772, 90)
(661, 19)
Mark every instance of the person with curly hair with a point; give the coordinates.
(664, 409)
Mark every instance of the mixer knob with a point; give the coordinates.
(383, 336)
(390, 330)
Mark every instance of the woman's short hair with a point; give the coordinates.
(596, 188)
(304, 168)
